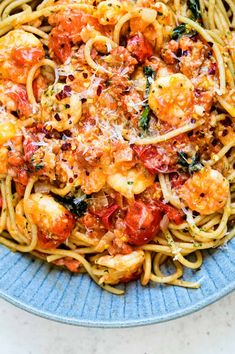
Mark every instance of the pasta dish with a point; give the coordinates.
(117, 139)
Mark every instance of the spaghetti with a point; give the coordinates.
(117, 139)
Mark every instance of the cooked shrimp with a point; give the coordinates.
(61, 108)
(172, 99)
(93, 181)
(131, 182)
(19, 50)
(146, 17)
(121, 267)
(165, 15)
(206, 191)
(109, 11)
(54, 221)
(8, 127)
(3, 159)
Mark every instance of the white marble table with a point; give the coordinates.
(209, 331)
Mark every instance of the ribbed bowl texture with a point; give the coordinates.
(56, 294)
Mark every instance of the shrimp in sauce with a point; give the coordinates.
(206, 191)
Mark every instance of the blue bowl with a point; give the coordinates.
(69, 298)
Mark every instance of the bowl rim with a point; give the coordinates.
(208, 300)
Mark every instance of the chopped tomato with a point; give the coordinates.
(39, 85)
(174, 215)
(131, 277)
(142, 222)
(91, 222)
(1, 201)
(139, 47)
(21, 179)
(155, 159)
(19, 95)
(177, 180)
(105, 215)
(15, 158)
(29, 147)
(20, 189)
(67, 32)
(60, 45)
(21, 175)
(162, 157)
(68, 262)
(27, 56)
(119, 246)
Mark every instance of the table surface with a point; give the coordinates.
(210, 331)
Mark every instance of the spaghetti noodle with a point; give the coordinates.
(117, 139)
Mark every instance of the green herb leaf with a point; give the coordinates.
(183, 159)
(182, 30)
(194, 6)
(194, 165)
(76, 204)
(144, 119)
(149, 73)
(39, 166)
(145, 116)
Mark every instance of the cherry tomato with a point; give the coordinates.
(19, 95)
(105, 215)
(174, 215)
(139, 47)
(155, 159)
(162, 157)
(142, 222)
(68, 262)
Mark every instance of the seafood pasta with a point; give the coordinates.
(117, 140)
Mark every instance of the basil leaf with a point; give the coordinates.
(144, 119)
(194, 6)
(182, 30)
(194, 165)
(75, 204)
(145, 116)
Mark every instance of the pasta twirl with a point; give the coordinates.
(117, 135)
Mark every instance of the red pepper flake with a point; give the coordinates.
(57, 117)
(71, 77)
(66, 146)
(212, 69)
(66, 92)
(197, 93)
(99, 90)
